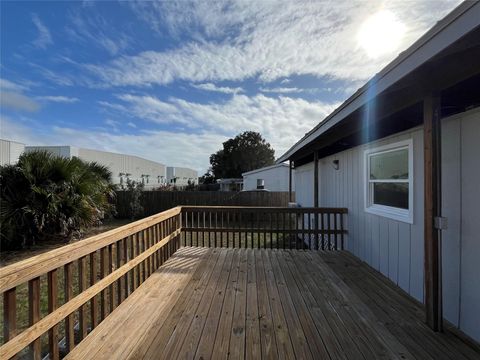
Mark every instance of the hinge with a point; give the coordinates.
(440, 223)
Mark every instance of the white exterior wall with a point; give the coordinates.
(275, 178)
(10, 151)
(182, 175)
(117, 163)
(123, 164)
(304, 185)
(461, 240)
(392, 247)
(65, 151)
(396, 248)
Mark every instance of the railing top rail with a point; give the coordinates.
(23, 271)
(267, 208)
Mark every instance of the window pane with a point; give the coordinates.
(391, 194)
(390, 165)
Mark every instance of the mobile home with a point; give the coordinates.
(402, 155)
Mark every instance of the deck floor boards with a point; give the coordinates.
(222, 303)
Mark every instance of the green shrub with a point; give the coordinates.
(46, 197)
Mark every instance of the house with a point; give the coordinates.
(181, 177)
(272, 178)
(10, 151)
(402, 155)
(230, 184)
(152, 174)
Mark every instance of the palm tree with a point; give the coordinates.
(49, 197)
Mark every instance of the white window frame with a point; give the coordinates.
(403, 215)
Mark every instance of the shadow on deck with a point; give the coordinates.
(248, 303)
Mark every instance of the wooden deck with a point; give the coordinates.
(212, 303)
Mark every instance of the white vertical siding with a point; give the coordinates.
(275, 178)
(10, 151)
(392, 247)
(460, 241)
(304, 185)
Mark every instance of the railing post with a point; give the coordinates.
(315, 195)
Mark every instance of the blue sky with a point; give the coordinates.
(170, 81)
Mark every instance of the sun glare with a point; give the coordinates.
(381, 34)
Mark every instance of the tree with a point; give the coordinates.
(45, 197)
(207, 178)
(245, 152)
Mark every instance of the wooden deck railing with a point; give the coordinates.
(263, 227)
(68, 291)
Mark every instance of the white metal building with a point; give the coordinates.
(180, 176)
(401, 155)
(122, 166)
(10, 151)
(275, 178)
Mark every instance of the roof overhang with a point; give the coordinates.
(462, 20)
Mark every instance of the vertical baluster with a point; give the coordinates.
(285, 236)
(120, 282)
(191, 227)
(341, 229)
(329, 228)
(152, 243)
(52, 283)
(270, 215)
(111, 264)
(323, 230)
(309, 231)
(93, 280)
(216, 228)
(235, 221)
(228, 226)
(103, 273)
(134, 252)
(82, 286)
(9, 314)
(264, 225)
(259, 235)
(34, 314)
(275, 229)
(209, 228)
(221, 234)
(69, 320)
(126, 245)
(251, 229)
(335, 229)
(204, 226)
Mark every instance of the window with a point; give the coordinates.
(389, 181)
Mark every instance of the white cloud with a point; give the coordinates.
(12, 97)
(44, 37)
(91, 28)
(280, 120)
(58, 99)
(215, 88)
(170, 148)
(131, 124)
(235, 40)
(282, 90)
(9, 85)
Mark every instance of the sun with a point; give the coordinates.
(381, 34)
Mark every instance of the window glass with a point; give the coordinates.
(391, 194)
(389, 165)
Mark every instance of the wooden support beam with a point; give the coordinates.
(315, 194)
(290, 165)
(432, 209)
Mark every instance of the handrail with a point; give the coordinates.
(23, 271)
(118, 262)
